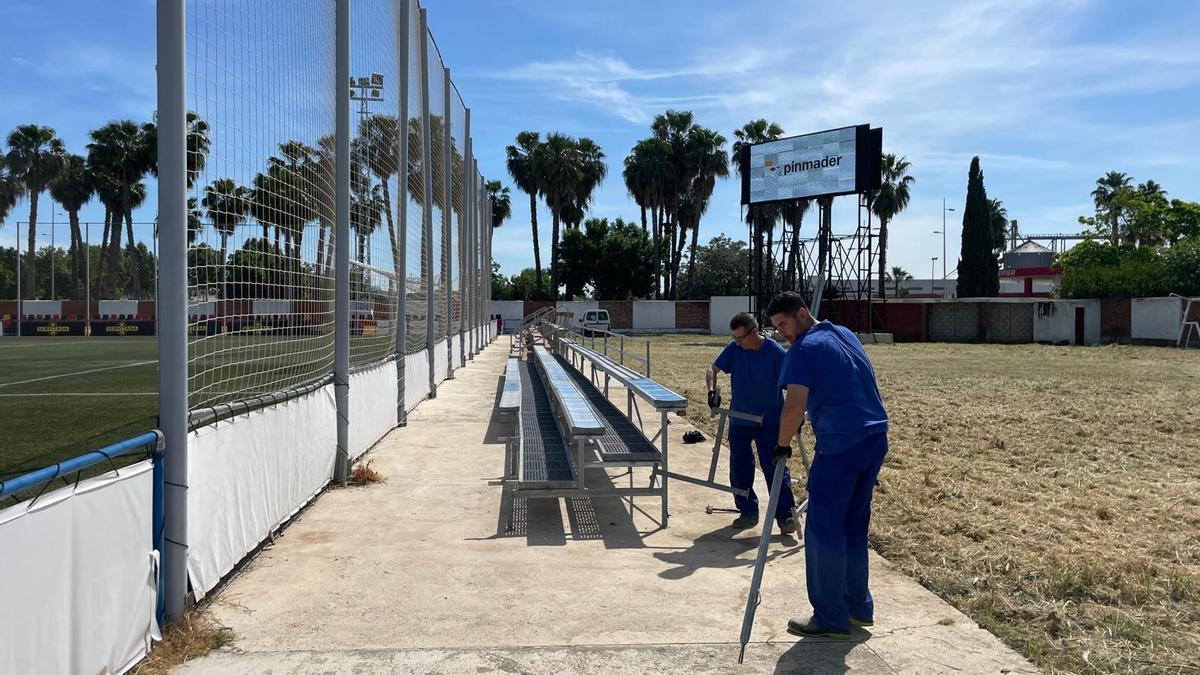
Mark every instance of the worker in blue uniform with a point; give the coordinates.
(752, 359)
(829, 380)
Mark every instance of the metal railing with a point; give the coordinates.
(629, 351)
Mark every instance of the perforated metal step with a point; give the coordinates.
(544, 461)
(622, 440)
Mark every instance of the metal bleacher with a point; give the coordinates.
(566, 425)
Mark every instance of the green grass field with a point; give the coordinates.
(61, 397)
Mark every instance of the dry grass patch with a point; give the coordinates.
(1050, 493)
(366, 474)
(193, 636)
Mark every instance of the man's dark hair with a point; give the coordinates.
(786, 303)
(743, 320)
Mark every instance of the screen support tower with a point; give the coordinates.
(783, 260)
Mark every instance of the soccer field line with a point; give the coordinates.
(84, 393)
(41, 342)
(81, 372)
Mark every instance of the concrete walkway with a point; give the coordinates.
(418, 575)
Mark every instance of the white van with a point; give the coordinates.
(591, 320)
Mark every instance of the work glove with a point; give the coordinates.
(784, 451)
(714, 399)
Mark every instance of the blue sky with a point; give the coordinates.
(1049, 94)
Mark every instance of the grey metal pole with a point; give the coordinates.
(53, 223)
(401, 251)
(447, 214)
(172, 309)
(427, 224)
(466, 221)
(20, 300)
(341, 261)
(87, 279)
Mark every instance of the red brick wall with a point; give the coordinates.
(691, 314)
(905, 321)
(532, 306)
(620, 313)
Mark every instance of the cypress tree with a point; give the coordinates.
(978, 269)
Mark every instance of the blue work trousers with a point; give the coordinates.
(835, 532)
(741, 468)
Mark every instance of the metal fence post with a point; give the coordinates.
(341, 303)
(172, 308)
(466, 221)
(447, 214)
(400, 247)
(427, 169)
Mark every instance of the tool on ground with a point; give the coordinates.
(710, 509)
(764, 541)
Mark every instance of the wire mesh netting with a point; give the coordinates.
(437, 155)
(260, 87)
(416, 258)
(262, 95)
(458, 146)
(376, 266)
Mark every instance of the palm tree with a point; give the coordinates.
(35, 158)
(761, 217)
(637, 183)
(500, 200)
(560, 169)
(123, 152)
(593, 172)
(379, 136)
(709, 161)
(521, 162)
(897, 276)
(890, 199)
(793, 214)
(999, 218)
(1107, 188)
(11, 188)
(73, 189)
(228, 205)
(655, 174)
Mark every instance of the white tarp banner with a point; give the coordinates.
(80, 577)
(372, 406)
(416, 379)
(249, 474)
(456, 347)
(440, 360)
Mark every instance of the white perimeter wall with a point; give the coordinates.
(1155, 318)
(1058, 324)
(79, 577)
(509, 310)
(416, 379)
(653, 315)
(721, 309)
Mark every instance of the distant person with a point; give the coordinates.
(755, 362)
(828, 376)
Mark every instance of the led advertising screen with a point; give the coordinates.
(826, 163)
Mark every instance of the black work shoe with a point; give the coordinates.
(861, 623)
(744, 522)
(788, 526)
(810, 629)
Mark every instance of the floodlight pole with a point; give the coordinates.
(172, 309)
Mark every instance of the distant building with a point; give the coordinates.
(1030, 263)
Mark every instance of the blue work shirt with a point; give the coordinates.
(754, 374)
(844, 405)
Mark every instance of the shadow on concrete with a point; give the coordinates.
(721, 549)
(500, 426)
(816, 655)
